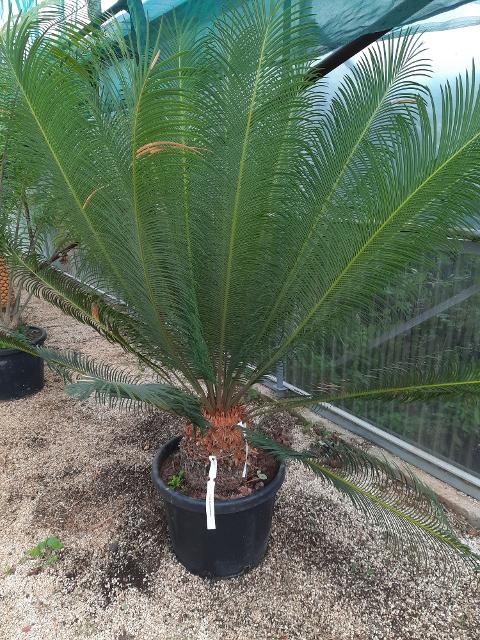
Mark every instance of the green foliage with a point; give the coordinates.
(46, 551)
(25, 216)
(235, 214)
(176, 480)
(307, 427)
(391, 498)
(358, 568)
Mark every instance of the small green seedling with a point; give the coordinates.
(46, 551)
(261, 475)
(357, 567)
(175, 482)
(307, 427)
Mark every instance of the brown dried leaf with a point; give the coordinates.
(95, 312)
(154, 60)
(90, 196)
(161, 146)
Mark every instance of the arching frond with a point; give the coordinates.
(393, 499)
(110, 318)
(411, 199)
(139, 396)
(412, 381)
(110, 385)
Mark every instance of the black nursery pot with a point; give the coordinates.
(20, 373)
(243, 525)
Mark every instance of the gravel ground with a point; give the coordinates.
(81, 473)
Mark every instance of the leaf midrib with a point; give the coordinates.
(359, 253)
(439, 535)
(233, 228)
(136, 213)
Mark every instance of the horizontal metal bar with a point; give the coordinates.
(458, 298)
(441, 469)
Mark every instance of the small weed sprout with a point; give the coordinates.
(175, 482)
(253, 395)
(46, 552)
(307, 427)
(366, 572)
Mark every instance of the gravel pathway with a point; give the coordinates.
(81, 473)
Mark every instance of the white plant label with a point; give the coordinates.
(243, 425)
(210, 497)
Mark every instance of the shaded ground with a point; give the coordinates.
(81, 473)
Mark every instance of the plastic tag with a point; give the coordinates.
(243, 425)
(210, 497)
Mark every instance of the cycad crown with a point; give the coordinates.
(232, 211)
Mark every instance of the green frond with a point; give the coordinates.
(394, 500)
(379, 89)
(109, 318)
(73, 298)
(431, 379)
(137, 396)
(109, 385)
(406, 199)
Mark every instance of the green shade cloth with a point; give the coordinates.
(341, 21)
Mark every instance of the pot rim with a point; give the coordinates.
(37, 342)
(221, 506)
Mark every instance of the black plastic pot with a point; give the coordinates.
(240, 539)
(20, 373)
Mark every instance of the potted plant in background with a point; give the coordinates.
(21, 374)
(26, 228)
(235, 214)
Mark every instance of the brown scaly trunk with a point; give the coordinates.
(222, 439)
(4, 286)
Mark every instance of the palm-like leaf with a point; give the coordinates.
(396, 501)
(234, 211)
(407, 382)
(107, 384)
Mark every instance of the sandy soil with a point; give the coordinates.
(81, 473)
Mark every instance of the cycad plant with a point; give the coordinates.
(235, 212)
(16, 223)
(26, 226)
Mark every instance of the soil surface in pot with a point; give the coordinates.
(228, 485)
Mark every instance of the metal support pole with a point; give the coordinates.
(279, 384)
